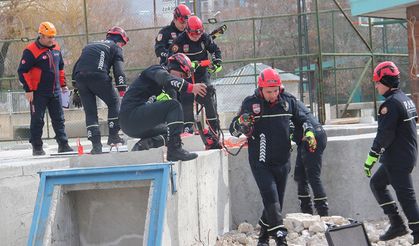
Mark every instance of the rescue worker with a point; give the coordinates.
(196, 44)
(147, 112)
(395, 147)
(264, 119)
(308, 165)
(91, 76)
(169, 33)
(41, 72)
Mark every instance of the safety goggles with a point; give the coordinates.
(195, 33)
(182, 19)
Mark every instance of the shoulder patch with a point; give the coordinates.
(186, 48)
(384, 110)
(175, 48)
(159, 37)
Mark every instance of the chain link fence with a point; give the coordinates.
(249, 45)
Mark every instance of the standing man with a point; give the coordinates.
(91, 76)
(308, 165)
(395, 146)
(169, 33)
(196, 44)
(41, 72)
(264, 118)
(148, 112)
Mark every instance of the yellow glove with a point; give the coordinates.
(163, 97)
(311, 141)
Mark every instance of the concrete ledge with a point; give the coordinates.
(118, 158)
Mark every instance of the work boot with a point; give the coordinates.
(188, 128)
(96, 148)
(149, 143)
(114, 139)
(322, 207)
(281, 238)
(37, 150)
(263, 237)
(306, 206)
(175, 152)
(397, 228)
(64, 147)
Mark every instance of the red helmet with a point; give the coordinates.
(269, 78)
(195, 27)
(180, 62)
(386, 68)
(116, 30)
(181, 13)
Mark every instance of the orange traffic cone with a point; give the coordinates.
(80, 150)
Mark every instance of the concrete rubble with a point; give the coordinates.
(308, 230)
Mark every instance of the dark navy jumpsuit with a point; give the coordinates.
(41, 70)
(91, 73)
(269, 150)
(198, 51)
(164, 40)
(396, 140)
(141, 116)
(308, 164)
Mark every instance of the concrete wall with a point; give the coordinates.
(18, 189)
(116, 213)
(346, 185)
(215, 193)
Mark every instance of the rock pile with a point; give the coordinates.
(308, 230)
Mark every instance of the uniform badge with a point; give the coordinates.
(186, 48)
(173, 34)
(23, 61)
(159, 37)
(384, 110)
(286, 106)
(175, 48)
(256, 108)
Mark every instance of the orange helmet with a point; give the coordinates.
(269, 77)
(195, 27)
(47, 28)
(181, 13)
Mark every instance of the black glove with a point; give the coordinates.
(76, 98)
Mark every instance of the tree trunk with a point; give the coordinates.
(3, 53)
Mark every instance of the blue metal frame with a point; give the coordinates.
(157, 173)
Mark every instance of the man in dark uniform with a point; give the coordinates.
(91, 76)
(41, 72)
(169, 33)
(196, 44)
(264, 118)
(147, 112)
(308, 165)
(395, 147)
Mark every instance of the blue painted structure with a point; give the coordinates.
(366, 7)
(157, 173)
